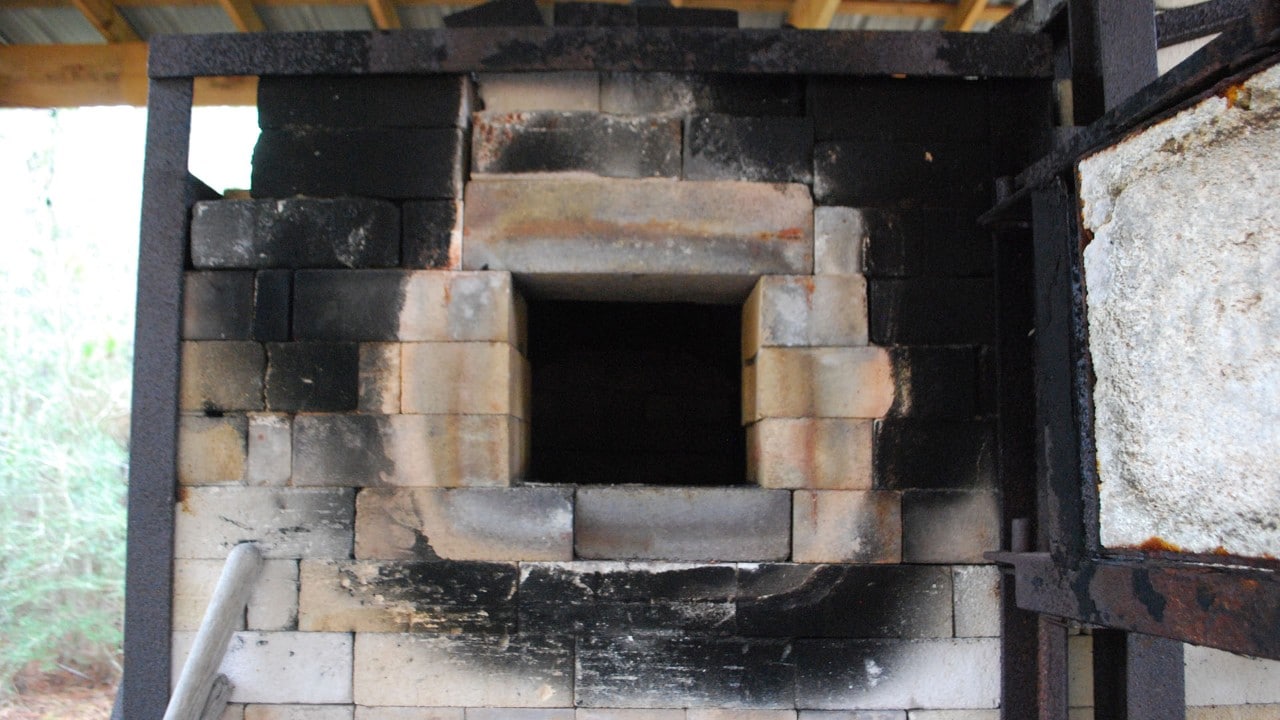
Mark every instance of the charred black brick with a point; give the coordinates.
(687, 94)
(659, 16)
(429, 237)
(272, 295)
(1022, 116)
(758, 149)
(844, 601)
(935, 382)
(925, 455)
(599, 619)
(608, 145)
(913, 243)
(446, 582)
(424, 101)
(217, 306)
(931, 311)
(349, 305)
(594, 14)
(652, 671)
(341, 450)
(294, 233)
(888, 109)
(626, 582)
(394, 163)
(988, 385)
(862, 173)
(312, 377)
(497, 13)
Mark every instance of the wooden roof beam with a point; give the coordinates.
(384, 14)
(812, 14)
(243, 15)
(966, 14)
(107, 19)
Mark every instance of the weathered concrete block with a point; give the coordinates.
(757, 149)
(575, 237)
(362, 102)
(937, 382)
(660, 671)
(935, 243)
(688, 524)
(819, 454)
(432, 235)
(432, 597)
(507, 524)
(862, 173)
(409, 450)
(312, 376)
(932, 311)
(422, 305)
(630, 714)
(977, 600)
(463, 670)
(846, 526)
(293, 233)
(520, 714)
(589, 142)
(299, 712)
(853, 382)
(922, 455)
(220, 376)
(409, 713)
(379, 382)
(212, 450)
(273, 605)
(852, 674)
(284, 522)
(839, 235)
(217, 305)
(849, 601)
(467, 378)
(648, 93)
(270, 460)
(805, 311)
(282, 667)
(945, 526)
(393, 163)
(515, 92)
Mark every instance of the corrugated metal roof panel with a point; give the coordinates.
(162, 19)
(43, 26)
(299, 18)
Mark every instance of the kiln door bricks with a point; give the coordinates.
(362, 398)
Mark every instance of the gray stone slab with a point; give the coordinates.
(689, 524)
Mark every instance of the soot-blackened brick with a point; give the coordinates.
(931, 311)
(217, 306)
(312, 377)
(759, 149)
(497, 13)
(580, 14)
(844, 601)
(686, 94)
(913, 243)
(888, 109)
(272, 298)
(346, 305)
(394, 163)
(924, 455)
(659, 16)
(593, 14)
(608, 145)
(432, 235)
(351, 450)
(648, 671)
(935, 382)
(584, 581)
(295, 233)
(422, 101)
(599, 619)
(862, 173)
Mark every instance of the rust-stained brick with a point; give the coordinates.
(805, 311)
(846, 526)
(829, 382)
(813, 453)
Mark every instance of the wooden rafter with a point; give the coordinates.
(384, 14)
(243, 15)
(107, 19)
(812, 14)
(966, 14)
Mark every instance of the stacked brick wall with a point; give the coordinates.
(356, 400)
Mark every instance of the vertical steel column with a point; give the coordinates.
(1137, 677)
(1113, 53)
(166, 198)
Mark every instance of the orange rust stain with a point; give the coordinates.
(1220, 551)
(791, 234)
(183, 496)
(1156, 544)
(1233, 95)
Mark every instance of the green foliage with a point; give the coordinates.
(65, 357)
